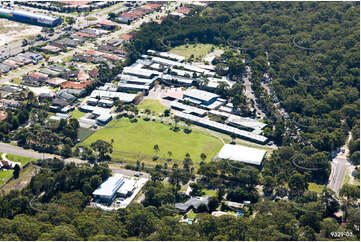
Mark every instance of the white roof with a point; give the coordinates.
(128, 186)
(200, 94)
(246, 122)
(171, 56)
(187, 108)
(242, 154)
(221, 127)
(139, 72)
(123, 97)
(110, 186)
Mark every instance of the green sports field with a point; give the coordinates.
(152, 105)
(141, 136)
(198, 51)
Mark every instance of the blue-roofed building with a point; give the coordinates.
(29, 17)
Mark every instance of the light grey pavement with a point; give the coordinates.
(15, 150)
(248, 92)
(339, 165)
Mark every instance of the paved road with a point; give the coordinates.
(15, 150)
(118, 169)
(124, 29)
(339, 165)
(249, 92)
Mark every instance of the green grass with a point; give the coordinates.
(16, 81)
(84, 133)
(67, 59)
(212, 193)
(141, 136)
(17, 158)
(199, 50)
(152, 105)
(5, 175)
(315, 187)
(77, 114)
(191, 214)
(91, 18)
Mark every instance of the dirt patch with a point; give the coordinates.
(11, 31)
(23, 180)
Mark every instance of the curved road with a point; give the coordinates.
(15, 150)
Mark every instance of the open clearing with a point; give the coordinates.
(198, 51)
(152, 105)
(141, 136)
(11, 31)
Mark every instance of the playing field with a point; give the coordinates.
(141, 136)
(152, 105)
(198, 51)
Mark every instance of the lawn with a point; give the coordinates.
(212, 193)
(84, 133)
(152, 105)
(5, 175)
(199, 50)
(141, 136)
(191, 214)
(315, 187)
(76, 114)
(17, 158)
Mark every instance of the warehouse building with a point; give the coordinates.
(114, 186)
(107, 191)
(242, 153)
(29, 17)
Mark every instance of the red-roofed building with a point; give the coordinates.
(94, 53)
(76, 3)
(3, 115)
(108, 25)
(112, 57)
(128, 36)
(94, 73)
(183, 10)
(86, 35)
(37, 76)
(75, 85)
(82, 77)
(151, 6)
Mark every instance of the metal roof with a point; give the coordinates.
(242, 154)
(222, 127)
(200, 94)
(110, 186)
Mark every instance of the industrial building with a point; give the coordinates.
(107, 191)
(29, 17)
(114, 186)
(242, 153)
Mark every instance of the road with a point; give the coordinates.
(15, 150)
(339, 165)
(124, 29)
(248, 92)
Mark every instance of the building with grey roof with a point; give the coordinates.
(122, 96)
(222, 127)
(188, 109)
(204, 97)
(245, 123)
(192, 203)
